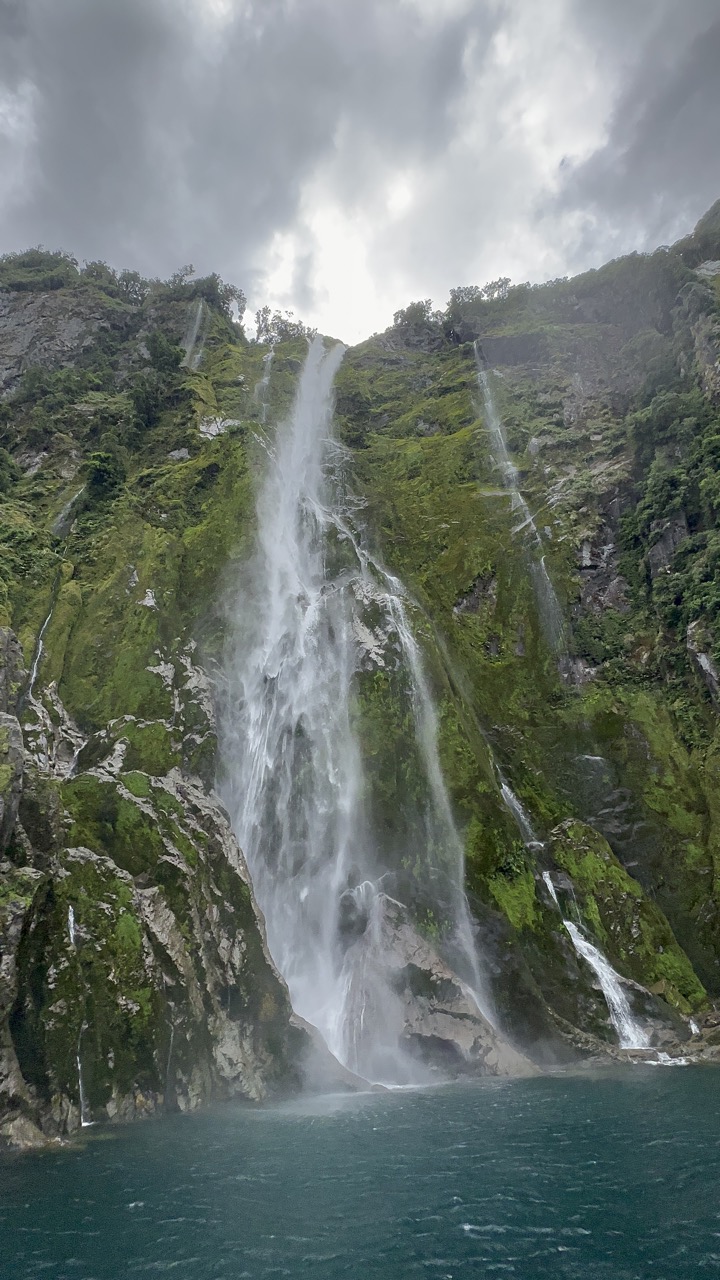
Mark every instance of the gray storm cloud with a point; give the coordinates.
(659, 169)
(151, 133)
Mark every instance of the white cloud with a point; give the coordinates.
(341, 159)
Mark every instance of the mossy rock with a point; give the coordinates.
(629, 928)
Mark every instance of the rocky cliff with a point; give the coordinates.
(581, 746)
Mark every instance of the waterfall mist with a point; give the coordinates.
(333, 894)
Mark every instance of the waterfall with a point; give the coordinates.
(193, 350)
(631, 1034)
(294, 781)
(629, 1031)
(551, 616)
(260, 393)
(37, 659)
(84, 1112)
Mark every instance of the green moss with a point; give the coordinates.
(631, 928)
(104, 821)
(137, 783)
(515, 895)
(152, 748)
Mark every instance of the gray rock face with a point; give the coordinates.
(12, 671)
(707, 349)
(672, 533)
(49, 329)
(441, 1022)
(15, 1099)
(12, 759)
(601, 586)
(520, 348)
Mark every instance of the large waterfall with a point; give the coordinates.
(294, 779)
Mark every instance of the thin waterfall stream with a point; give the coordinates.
(630, 1032)
(294, 781)
(548, 604)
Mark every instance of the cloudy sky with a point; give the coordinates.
(343, 157)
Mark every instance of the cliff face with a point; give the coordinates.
(133, 971)
(605, 390)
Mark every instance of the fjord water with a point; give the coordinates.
(292, 766)
(613, 1177)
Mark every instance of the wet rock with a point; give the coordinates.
(670, 534)
(601, 586)
(482, 591)
(17, 888)
(19, 1133)
(12, 671)
(41, 812)
(515, 349)
(50, 329)
(12, 759)
(155, 942)
(441, 1021)
(576, 671)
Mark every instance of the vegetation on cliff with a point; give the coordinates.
(131, 436)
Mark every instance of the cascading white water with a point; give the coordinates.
(551, 616)
(294, 780)
(39, 650)
(193, 348)
(631, 1034)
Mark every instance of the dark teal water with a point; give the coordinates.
(612, 1176)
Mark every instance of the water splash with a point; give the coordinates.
(295, 784)
(551, 616)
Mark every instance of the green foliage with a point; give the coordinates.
(9, 471)
(600, 637)
(106, 474)
(37, 270)
(272, 327)
(165, 356)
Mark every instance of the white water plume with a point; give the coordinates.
(548, 604)
(294, 780)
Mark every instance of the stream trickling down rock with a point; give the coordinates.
(549, 610)
(292, 762)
